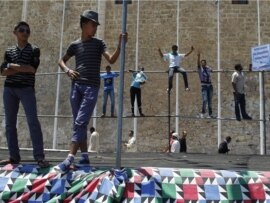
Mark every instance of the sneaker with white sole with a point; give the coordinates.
(62, 167)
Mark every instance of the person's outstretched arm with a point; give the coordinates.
(191, 50)
(199, 59)
(160, 52)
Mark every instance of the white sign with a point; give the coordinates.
(261, 57)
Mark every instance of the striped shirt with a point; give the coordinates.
(88, 59)
(29, 55)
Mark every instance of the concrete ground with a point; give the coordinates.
(168, 160)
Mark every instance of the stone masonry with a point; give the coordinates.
(157, 28)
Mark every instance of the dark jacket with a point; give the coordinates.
(223, 148)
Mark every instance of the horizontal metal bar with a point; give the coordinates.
(158, 71)
(148, 116)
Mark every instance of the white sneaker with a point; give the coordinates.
(201, 115)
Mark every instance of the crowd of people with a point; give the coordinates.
(22, 60)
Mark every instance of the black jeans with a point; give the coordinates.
(240, 104)
(177, 69)
(135, 93)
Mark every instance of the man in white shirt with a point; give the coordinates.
(130, 145)
(94, 140)
(174, 59)
(175, 146)
(238, 82)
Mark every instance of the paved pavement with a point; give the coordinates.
(179, 160)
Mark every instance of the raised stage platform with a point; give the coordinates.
(146, 177)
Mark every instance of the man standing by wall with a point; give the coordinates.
(130, 145)
(175, 147)
(93, 141)
(20, 65)
(206, 86)
(108, 89)
(238, 83)
(183, 142)
(138, 78)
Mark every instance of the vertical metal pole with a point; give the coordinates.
(55, 126)
(169, 116)
(177, 75)
(263, 116)
(261, 84)
(95, 109)
(136, 67)
(218, 65)
(121, 88)
(24, 10)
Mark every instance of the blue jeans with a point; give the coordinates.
(207, 93)
(12, 97)
(177, 69)
(83, 99)
(107, 93)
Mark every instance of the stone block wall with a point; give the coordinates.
(157, 28)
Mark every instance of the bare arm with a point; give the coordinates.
(160, 52)
(111, 58)
(199, 59)
(16, 68)
(234, 87)
(8, 71)
(191, 50)
(62, 64)
(23, 68)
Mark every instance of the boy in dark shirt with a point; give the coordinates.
(20, 64)
(88, 52)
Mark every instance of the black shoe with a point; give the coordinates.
(142, 115)
(9, 161)
(239, 119)
(43, 163)
(247, 118)
(103, 115)
(132, 115)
